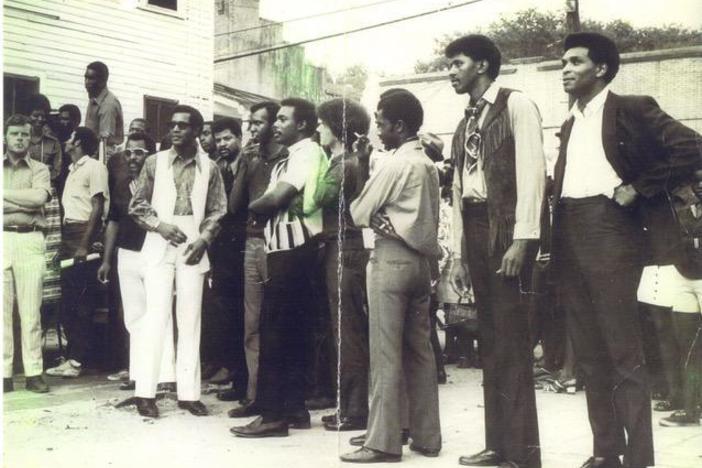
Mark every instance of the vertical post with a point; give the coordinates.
(572, 16)
(572, 25)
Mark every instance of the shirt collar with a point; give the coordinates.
(299, 145)
(410, 144)
(490, 94)
(78, 163)
(173, 155)
(101, 97)
(595, 104)
(25, 160)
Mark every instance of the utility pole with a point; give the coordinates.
(572, 26)
(572, 16)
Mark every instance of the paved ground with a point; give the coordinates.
(77, 426)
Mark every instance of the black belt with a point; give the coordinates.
(21, 229)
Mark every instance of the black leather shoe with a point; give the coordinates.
(299, 420)
(257, 429)
(170, 387)
(329, 418)
(245, 411)
(485, 458)
(359, 441)
(36, 384)
(367, 455)
(147, 407)
(427, 452)
(7, 385)
(196, 408)
(600, 462)
(346, 424)
(128, 385)
(232, 394)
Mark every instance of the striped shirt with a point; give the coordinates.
(287, 230)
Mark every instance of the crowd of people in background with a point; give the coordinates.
(245, 259)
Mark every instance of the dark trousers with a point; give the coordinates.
(321, 371)
(688, 331)
(511, 425)
(661, 350)
(222, 342)
(346, 290)
(599, 270)
(285, 333)
(79, 293)
(118, 336)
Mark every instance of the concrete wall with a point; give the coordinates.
(149, 51)
(671, 76)
(278, 74)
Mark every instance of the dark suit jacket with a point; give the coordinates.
(649, 150)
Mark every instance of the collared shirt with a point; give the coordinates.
(104, 117)
(47, 150)
(184, 177)
(251, 178)
(587, 171)
(227, 166)
(285, 230)
(405, 188)
(339, 183)
(130, 235)
(530, 164)
(24, 174)
(87, 177)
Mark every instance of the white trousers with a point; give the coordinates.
(158, 281)
(23, 267)
(130, 268)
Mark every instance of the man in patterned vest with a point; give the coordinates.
(498, 190)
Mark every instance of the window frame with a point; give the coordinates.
(156, 126)
(179, 12)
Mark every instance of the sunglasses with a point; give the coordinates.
(179, 125)
(138, 152)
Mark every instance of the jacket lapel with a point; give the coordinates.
(609, 131)
(559, 170)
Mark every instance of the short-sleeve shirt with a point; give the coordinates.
(25, 174)
(286, 230)
(86, 178)
(104, 117)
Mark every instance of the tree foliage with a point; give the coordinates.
(352, 81)
(530, 33)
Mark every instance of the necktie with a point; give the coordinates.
(472, 135)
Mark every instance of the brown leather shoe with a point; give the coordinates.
(368, 455)
(147, 407)
(427, 452)
(36, 384)
(196, 408)
(257, 429)
(485, 458)
(244, 411)
(299, 420)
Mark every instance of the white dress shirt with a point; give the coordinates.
(530, 167)
(588, 172)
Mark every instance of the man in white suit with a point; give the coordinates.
(179, 199)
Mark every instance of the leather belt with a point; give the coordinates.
(21, 229)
